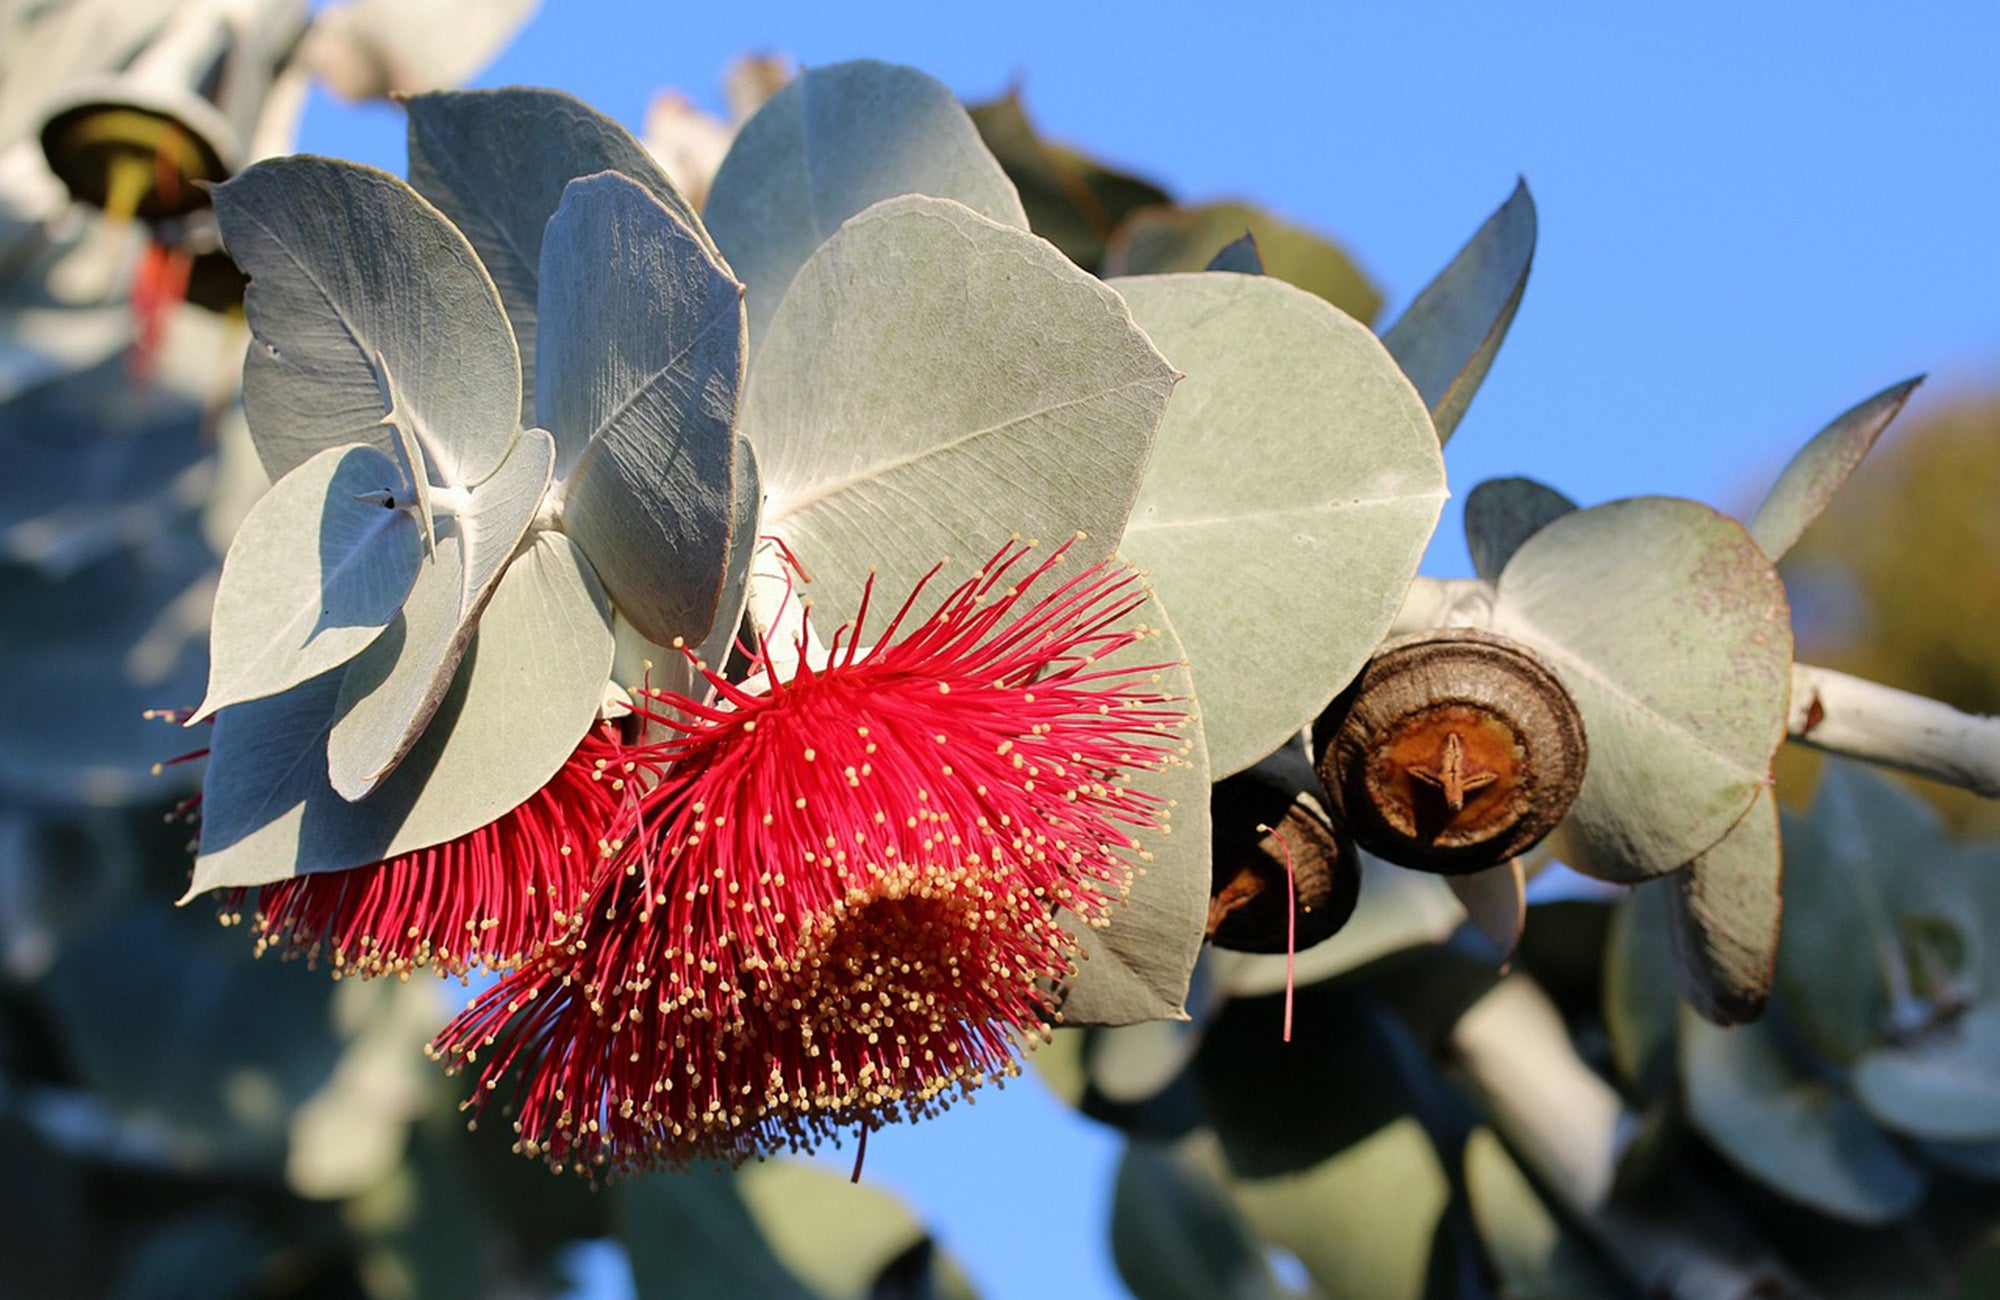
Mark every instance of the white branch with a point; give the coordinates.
(1866, 720)
(1569, 1127)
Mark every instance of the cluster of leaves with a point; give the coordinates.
(924, 378)
(1366, 1146)
(1666, 620)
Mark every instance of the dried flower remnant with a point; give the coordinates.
(493, 898)
(1453, 751)
(843, 901)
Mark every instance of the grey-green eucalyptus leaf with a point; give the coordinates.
(936, 383)
(1496, 903)
(1501, 513)
(149, 1011)
(1325, 1155)
(409, 454)
(527, 689)
(691, 1233)
(87, 655)
(1293, 485)
(1132, 1065)
(666, 668)
(834, 1235)
(90, 467)
(1979, 1160)
(1239, 255)
(1175, 1234)
(353, 276)
(1537, 1255)
(640, 360)
(497, 161)
(315, 572)
(1811, 478)
(835, 141)
(1864, 861)
(1363, 1221)
(1137, 967)
(1671, 630)
(1722, 913)
(391, 689)
(1447, 338)
(1944, 1086)
(1641, 1009)
(1796, 1133)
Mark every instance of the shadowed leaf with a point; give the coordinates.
(1239, 255)
(1793, 1132)
(355, 283)
(641, 362)
(1447, 339)
(1501, 513)
(316, 571)
(390, 690)
(1722, 913)
(1175, 1234)
(268, 811)
(497, 161)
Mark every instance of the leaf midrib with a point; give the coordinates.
(784, 506)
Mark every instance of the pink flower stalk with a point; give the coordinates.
(844, 900)
(493, 898)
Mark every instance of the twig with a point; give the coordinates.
(1862, 719)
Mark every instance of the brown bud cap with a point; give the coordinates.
(1453, 752)
(1247, 897)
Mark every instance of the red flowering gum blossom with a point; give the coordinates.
(493, 898)
(843, 901)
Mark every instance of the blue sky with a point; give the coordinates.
(1752, 216)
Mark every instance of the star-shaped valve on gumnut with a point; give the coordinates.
(1452, 752)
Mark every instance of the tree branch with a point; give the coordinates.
(1863, 719)
(1569, 1127)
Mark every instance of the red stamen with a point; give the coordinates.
(1291, 923)
(493, 898)
(842, 900)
